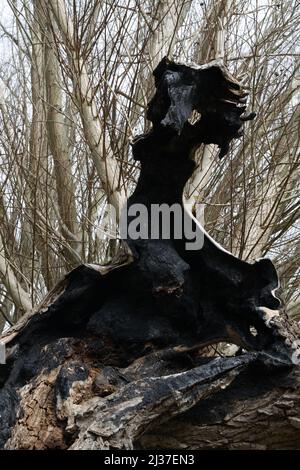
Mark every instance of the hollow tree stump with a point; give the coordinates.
(113, 357)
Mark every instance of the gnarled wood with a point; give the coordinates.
(114, 356)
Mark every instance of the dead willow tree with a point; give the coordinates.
(113, 357)
(75, 79)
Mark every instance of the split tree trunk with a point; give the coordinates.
(114, 358)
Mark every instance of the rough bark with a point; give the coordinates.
(113, 357)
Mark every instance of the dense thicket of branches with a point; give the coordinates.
(75, 80)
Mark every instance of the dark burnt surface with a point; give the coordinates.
(168, 296)
(220, 293)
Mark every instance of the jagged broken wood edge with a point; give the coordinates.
(119, 420)
(172, 395)
(123, 258)
(287, 328)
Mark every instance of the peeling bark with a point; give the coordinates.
(258, 412)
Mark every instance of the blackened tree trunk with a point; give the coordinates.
(114, 356)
